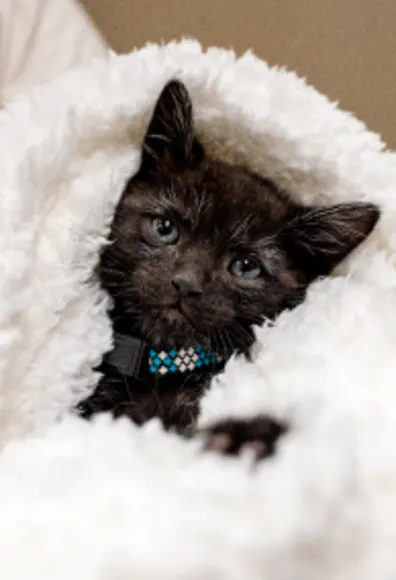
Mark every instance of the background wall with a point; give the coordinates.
(346, 48)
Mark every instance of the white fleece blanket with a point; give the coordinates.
(107, 500)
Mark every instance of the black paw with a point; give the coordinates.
(234, 436)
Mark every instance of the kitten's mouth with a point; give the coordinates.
(172, 325)
(165, 307)
(172, 310)
(175, 312)
(176, 316)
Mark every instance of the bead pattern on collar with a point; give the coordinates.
(183, 360)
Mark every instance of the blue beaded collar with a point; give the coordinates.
(132, 358)
(180, 361)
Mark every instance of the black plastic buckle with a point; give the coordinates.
(126, 355)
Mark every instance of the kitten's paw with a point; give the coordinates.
(233, 436)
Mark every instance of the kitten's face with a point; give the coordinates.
(202, 250)
(198, 268)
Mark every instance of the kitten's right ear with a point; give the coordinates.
(170, 144)
(317, 239)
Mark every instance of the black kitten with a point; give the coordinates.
(201, 251)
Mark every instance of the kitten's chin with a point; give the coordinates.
(169, 328)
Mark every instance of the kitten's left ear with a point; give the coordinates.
(170, 144)
(318, 239)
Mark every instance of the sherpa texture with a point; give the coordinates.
(107, 500)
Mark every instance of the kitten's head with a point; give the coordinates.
(201, 250)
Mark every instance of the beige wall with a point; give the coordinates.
(346, 48)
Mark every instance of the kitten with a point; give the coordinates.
(200, 251)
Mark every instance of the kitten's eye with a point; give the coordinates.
(246, 268)
(165, 230)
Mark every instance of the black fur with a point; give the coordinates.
(177, 282)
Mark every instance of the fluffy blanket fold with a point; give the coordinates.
(106, 499)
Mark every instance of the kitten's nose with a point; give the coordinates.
(187, 283)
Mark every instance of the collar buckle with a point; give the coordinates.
(127, 354)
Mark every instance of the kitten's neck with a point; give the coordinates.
(134, 357)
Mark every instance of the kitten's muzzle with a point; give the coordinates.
(187, 283)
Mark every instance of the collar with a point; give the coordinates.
(132, 357)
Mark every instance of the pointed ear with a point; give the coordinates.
(169, 144)
(316, 240)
